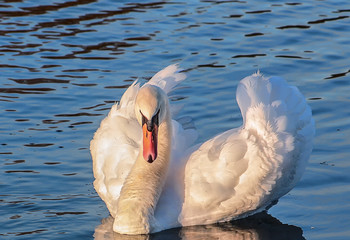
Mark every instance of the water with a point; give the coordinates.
(64, 63)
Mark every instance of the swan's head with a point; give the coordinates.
(150, 107)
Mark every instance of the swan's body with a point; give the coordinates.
(149, 186)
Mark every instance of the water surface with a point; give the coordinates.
(64, 63)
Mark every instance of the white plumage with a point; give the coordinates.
(233, 175)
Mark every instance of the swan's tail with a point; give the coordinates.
(279, 115)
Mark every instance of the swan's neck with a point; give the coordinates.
(143, 186)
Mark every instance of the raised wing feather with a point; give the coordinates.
(244, 170)
(168, 78)
(115, 147)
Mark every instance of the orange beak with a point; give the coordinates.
(150, 143)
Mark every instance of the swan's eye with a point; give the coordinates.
(144, 119)
(155, 118)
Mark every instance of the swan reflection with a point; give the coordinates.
(260, 226)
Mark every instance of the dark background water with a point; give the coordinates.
(63, 64)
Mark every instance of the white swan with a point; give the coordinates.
(151, 178)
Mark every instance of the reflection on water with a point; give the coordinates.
(258, 227)
(64, 63)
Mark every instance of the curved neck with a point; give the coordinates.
(143, 186)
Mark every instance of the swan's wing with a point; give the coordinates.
(115, 147)
(244, 170)
(285, 122)
(116, 143)
(168, 78)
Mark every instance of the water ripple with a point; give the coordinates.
(65, 63)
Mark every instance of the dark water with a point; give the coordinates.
(63, 64)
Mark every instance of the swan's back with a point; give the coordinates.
(242, 171)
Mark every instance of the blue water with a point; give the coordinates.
(64, 63)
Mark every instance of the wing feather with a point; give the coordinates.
(241, 171)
